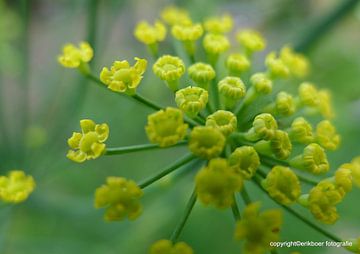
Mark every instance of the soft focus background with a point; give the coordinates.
(41, 104)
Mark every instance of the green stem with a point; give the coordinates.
(187, 158)
(325, 24)
(137, 148)
(235, 210)
(301, 217)
(140, 99)
(189, 207)
(245, 196)
(214, 93)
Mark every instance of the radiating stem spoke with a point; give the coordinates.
(235, 210)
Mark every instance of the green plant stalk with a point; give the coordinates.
(137, 148)
(301, 217)
(182, 161)
(235, 210)
(325, 24)
(214, 94)
(189, 207)
(141, 99)
(245, 196)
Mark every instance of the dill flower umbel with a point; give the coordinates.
(166, 127)
(120, 198)
(74, 57)
(89, 144)
(16, 187)
(122, 77)
(241, 126)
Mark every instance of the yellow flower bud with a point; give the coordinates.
(298, 64)
(279, 145)
(206, 142)
(283, 185)
(251, 40)
(264, 127)
(313, 159)
(16, 187)
(325, 106)
(261, 83)
(285, 104)
(167, 247)
(170, 69)
(173, 15)
(258, 229)
(122, 77)
(245, 161)
(166, 127)
(201, 74)
(88, 144)
(327, 135)
(276, 66)
(301, 131)
(120, 197)
(308, 94)
(355, 170)
(150, 34)
(188, 32)
(215, 44)
(191, 100)
(223, 120)
(232, 89)
(221, 24)
(216, 184)
(322, 200)
(73, 56)
(237, 64)
(344, 178)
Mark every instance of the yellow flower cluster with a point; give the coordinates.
(120, 198)
(149, 34)
(89, 143)
(16, 187)
(74, 57)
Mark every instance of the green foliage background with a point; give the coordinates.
(41, 103)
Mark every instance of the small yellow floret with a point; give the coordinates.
(308, 94)
(201, 74)
(279, 145)
(285, 104)
(150, 34)
(297, 63)
(88, 144)
(325, 105)
(170, 69)
(301, 131)
(220, 24)
(223, 120)
(245, 161)
(327, 135)
(166, 127)
(251, 40)
(216, 183)
(73, 56)
(215, 44)
(276, 66)
(355, 170)
(264, 127)
(173, 15)
(120, 197)
(188, 32)
(122, 77)
(191, 100)
(237, 64)
(261, 83)
(16, 187)
(167, 247)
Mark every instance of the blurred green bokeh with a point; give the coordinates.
(41, 104)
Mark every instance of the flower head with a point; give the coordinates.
(201, 74)
(313, 159)
(187, 32)
(150, 34)
(283, 185)
(191, 100)
(245, 161)
(237, 63)
(122, 77)
(88, 144)
(285, 104)
(327, 135)
(322, 200)
(215, 44)
(220, 24)
(16, 187)
(166, 127)
(308, 94)
(120, 197)
(73, 56)
(223, 120)
(251, 40)
(216, 183)
(167, 247)
(206, 142)
(170, 69)
(276, 66)
(298, 64)
(173, 15)
(261, 83)
(258, 229)
(301, 131)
